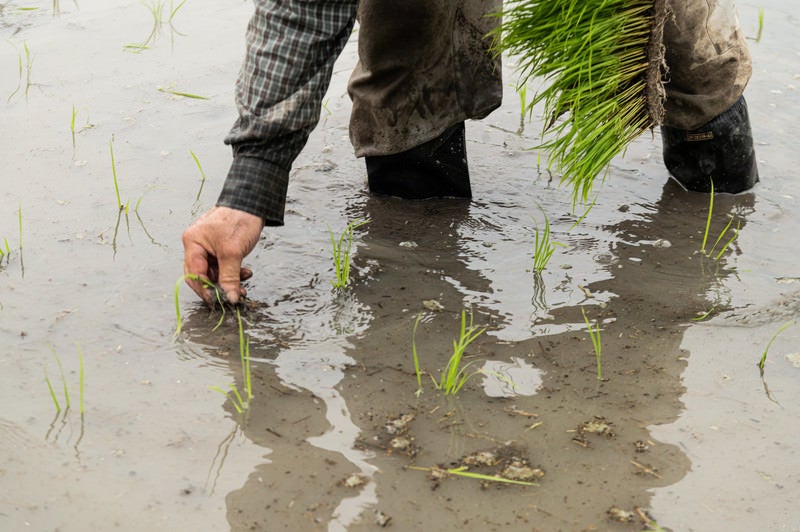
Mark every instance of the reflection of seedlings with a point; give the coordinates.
(594, 334)
(341, 253)
(67, 400)
(57, 6)
(769, 344)
(710, 253)
(141, 222)
(221, 455)
(27, 69)
(196, 205)
(157, 8)
(241, 404)
(538, 300)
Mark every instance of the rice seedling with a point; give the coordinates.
(19, 79)
(341, 253)
(417, 370)
(81, 383)
(455, 376)
(763, 360)
(169, 90)
(72, 127)
(207, 284)
(524, 110)
(760, 25)
(462, 471)
(240, 404)
(196, 205)
(543, 247)
(120, 206)
(710, 253)
(5, 254)
(602, 64)
(594, 334)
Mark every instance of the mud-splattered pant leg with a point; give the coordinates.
(706, 136)
(708, 60)
(424, 66)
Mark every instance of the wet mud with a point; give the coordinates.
(675, 427)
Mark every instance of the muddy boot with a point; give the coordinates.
(435, 169)
(720, 151)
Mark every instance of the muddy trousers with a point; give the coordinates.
(425, 66)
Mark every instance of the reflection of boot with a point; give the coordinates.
(720, 151)
(435, 169)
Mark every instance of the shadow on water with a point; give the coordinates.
(323, 399)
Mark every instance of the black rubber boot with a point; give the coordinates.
(720, 151)
(436, 169)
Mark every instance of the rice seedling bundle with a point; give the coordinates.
(602, 65)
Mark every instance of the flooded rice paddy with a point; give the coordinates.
(681, 431)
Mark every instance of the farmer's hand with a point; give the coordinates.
(213, 249)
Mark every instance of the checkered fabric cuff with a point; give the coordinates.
(256, 186)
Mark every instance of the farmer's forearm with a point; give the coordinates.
(291, 49)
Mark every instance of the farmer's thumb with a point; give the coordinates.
(229, 273)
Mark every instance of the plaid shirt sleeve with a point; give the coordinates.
(291, 48)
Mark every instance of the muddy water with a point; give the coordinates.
(681, 426)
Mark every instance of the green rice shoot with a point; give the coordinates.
(67, 401)
(543, 247)
(114, 174)
(417, 370)
(207, 284)
(597, 344)
(763, 360)
(341, 253)
(710, 253)
(454, 376)
(202, 174)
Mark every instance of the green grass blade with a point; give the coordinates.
(769, 344)
(708, 218)
(52, 393)
(416, 358)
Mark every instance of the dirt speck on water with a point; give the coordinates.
(681, 431)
